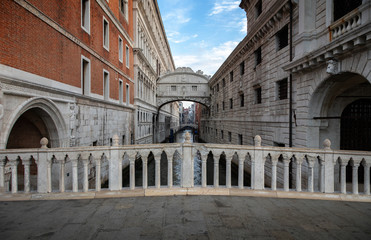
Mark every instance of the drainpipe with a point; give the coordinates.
(290, 80)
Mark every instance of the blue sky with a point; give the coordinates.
(202, 33)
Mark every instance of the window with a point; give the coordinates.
(242, 100)
(123, 140)
(343, 7)
(223, 81)
(222, 134)
(230, 136)
(223, 105)
(217, 87)
(281, 87)
(124, 8)
(242, 68)
(258, 9)
(258, 95)
(240, 142)
(127, 56)
(231, 103)
(127, 94)
(105, 85)
(121, 50)
(85, 76)
(194, 88)
(216, 133)
(173, 88)
(258, 56)
(217, 107)
(231, 76)
(121, 91)
(85, 15)
(282, 38)
(105, 34)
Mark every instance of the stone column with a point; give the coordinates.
(42, 167)
(298, 162)
(355, 166)
(158, 170)
(240, 172)
(274, 174)
(49, 174)
(169, 169)
(204, 172)
(62, 168)
(187, 166)
(85, 163)
(27, 180)
(286, 163)
(98, 173)
(13, 166)
(366, 171)
(257, 165)
(75, 184)
(145, 173)
(228, 180)
(2, 174)
(329, 165)
(115, 166)
(322, 176)
(343, 187)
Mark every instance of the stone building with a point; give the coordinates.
(152, 57)
(327, 63)
(66, 72)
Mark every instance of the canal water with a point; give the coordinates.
(180, 137)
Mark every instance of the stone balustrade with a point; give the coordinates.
(345, 24)
(271, 168)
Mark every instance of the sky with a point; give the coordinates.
(202, 33)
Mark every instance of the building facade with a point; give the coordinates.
(66, 72)
(327, 63)
(152, 57)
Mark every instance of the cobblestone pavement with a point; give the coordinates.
(185, 217)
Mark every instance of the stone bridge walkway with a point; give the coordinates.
(185, 217)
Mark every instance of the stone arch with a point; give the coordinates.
(327, 103)
(44, 117)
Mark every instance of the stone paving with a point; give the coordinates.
(185, 217)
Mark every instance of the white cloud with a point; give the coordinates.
(243, 25)
(176, 37)
(178, 16)
(208, 60)
(224, 6)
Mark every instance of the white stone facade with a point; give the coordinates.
(331, 68)
(152, 57)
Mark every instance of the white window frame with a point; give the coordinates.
(127, 89)
(85, 83)
(121, 50)
(106, 83)
(121, 91)
(106, 46)
(127, 56)
(87, 18)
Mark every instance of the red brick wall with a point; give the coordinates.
(29, 44)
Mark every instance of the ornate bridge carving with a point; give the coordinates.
(183, 85)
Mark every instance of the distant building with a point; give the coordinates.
(330, 72)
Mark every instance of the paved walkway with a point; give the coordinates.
(185, 217)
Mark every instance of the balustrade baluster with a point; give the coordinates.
(62, 168)
(366, 170)
(322, 176)
(158, 170)
(97, 173)
(274, 174)
(2, 173)
(145, 174)
(85, 180)
(132, 172)
(216, 170)
(49, 175)
(355, 177)
(75, 186)
(204, 174)
(170, 170)
(298, 162)
(27, 180)
(13, 166)
(343, 188)
(286, 162)
(240, 172)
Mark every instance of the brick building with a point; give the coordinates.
(66, 72)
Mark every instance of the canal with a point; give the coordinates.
(180, 137)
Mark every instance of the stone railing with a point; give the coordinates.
(345, 24)
(271, 168)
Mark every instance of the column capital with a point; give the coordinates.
(13, 162)
(366, 164)
(26, 162)
(2, 162)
